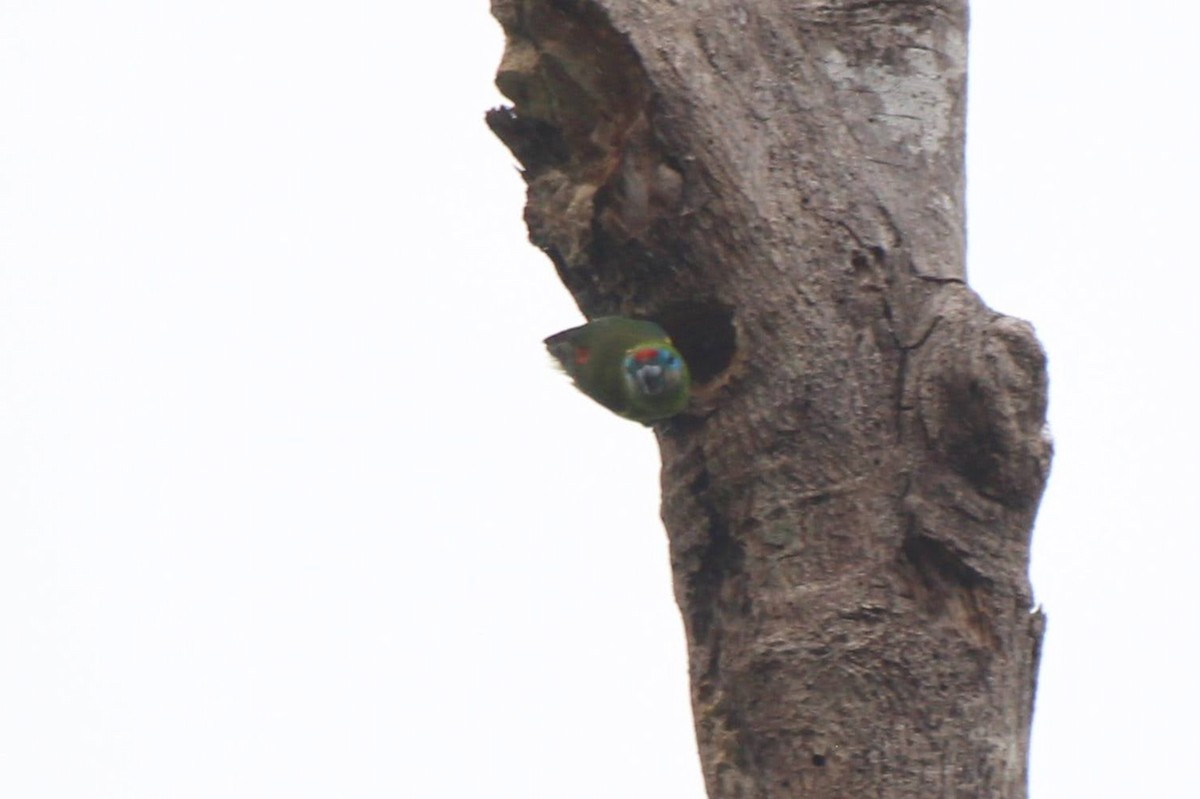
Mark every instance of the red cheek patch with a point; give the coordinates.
(582, 355)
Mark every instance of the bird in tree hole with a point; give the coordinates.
(629, 366)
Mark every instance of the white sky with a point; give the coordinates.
(291, 503)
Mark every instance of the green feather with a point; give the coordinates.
(597, 356)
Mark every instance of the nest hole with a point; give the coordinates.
(705, 334)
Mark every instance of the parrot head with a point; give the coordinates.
(629, 366)
(651, 371)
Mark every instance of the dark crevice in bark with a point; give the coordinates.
(719, 562)
(945, 586)
(535, 143)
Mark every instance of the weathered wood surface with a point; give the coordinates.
(850, 498)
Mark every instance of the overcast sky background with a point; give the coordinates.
(291, 503)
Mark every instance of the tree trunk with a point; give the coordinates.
(849, 499)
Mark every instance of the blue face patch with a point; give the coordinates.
(652, 370)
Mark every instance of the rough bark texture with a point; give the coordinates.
(850, 497)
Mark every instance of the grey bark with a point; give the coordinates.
(850, 497)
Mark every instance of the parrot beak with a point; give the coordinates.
(650, 379)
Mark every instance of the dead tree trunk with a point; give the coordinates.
(850, 498)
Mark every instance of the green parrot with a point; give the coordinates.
(627, 365)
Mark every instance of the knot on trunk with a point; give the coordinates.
(982, 389)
